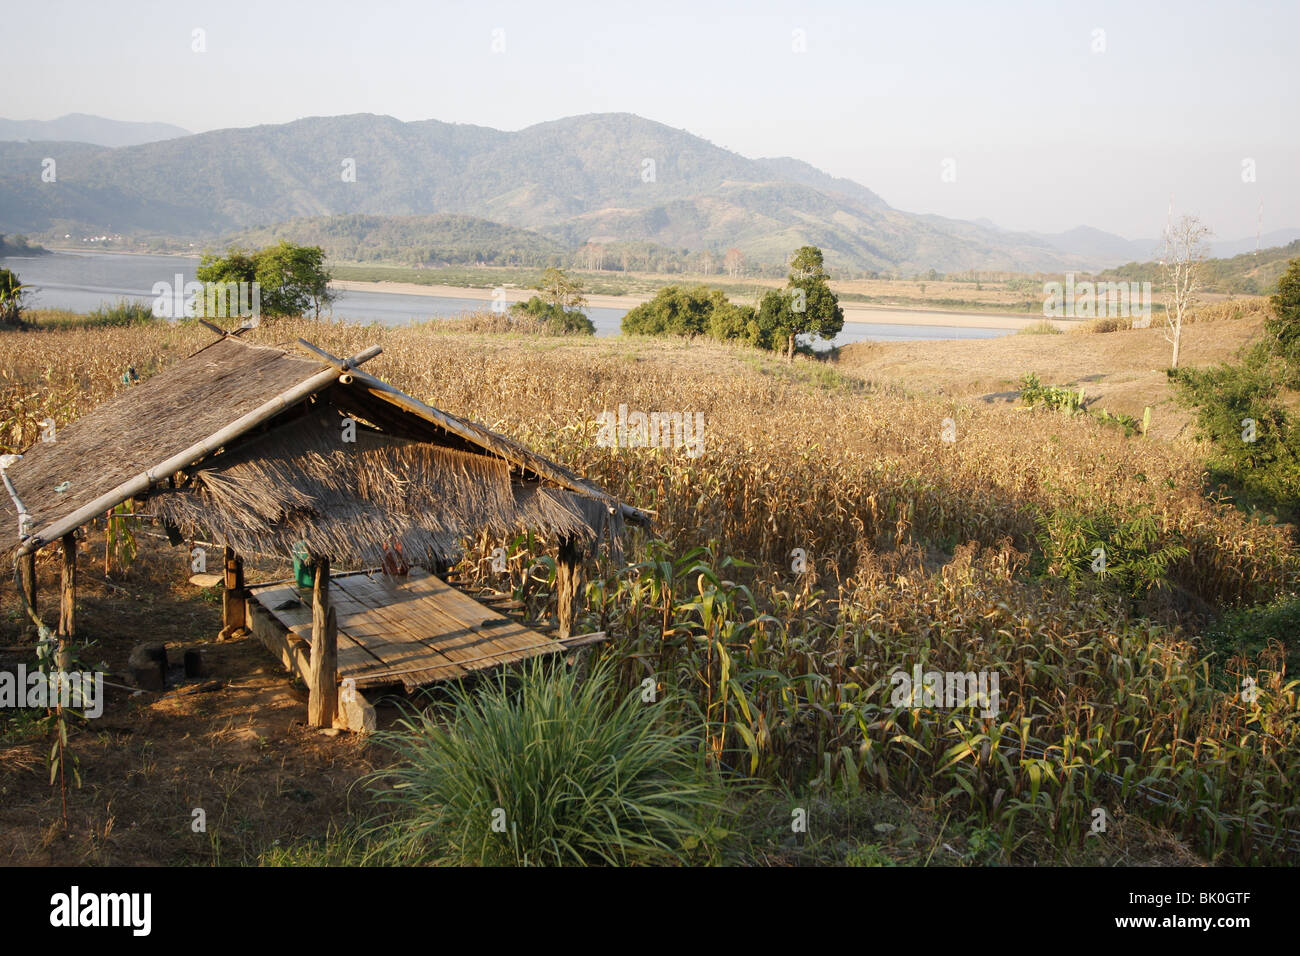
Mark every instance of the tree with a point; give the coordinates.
(675, 310)
(806, 306)
(734, 262)
(12, 294)
(1183, 258)
(292, 279)
(1284, 326)
(558, 289)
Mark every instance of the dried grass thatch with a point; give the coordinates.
(355, 500)
(420, 480)
(145, 424)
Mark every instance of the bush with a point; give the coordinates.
(124, 313)
(678, 310)
(555, 770)
(1256, 450)
(549, 319)
(1035, 394)
(1106, 324)
(1128, 553)
(1040, 328)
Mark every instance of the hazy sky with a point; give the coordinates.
(1046, 134)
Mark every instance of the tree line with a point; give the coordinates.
(805, 306)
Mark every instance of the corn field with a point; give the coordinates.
(833, 532)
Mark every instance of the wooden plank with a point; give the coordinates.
(416, 630)
(353, 656)
(381, 640)
(482, 629)
(401, 629)
(458, 639)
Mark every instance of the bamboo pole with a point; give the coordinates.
(568, 583)
(143, 481)
(28, 564)
(322, 687)
(68, 603)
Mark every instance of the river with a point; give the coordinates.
(82, 281)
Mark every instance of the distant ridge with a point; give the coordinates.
(84, 128)
(607, 177)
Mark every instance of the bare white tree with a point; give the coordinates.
(1183, 255)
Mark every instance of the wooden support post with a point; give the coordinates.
(568, 584)
(322, 689)
(27, 563)
(234, 601)
(68, 604)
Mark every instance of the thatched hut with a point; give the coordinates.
(269, 452)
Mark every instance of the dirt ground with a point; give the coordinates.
(1122, 371)
(231, 743)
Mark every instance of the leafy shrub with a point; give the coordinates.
(1256, 449)
(1035, 394)
(1129, 553)
(549, 318)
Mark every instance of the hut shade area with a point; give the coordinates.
(401, 631)
(264, 451)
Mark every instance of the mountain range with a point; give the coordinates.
(84, 128)
(601, 178)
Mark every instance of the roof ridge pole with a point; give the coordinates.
(143, 481)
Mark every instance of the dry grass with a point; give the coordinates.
(917, 544)
(1123, 371)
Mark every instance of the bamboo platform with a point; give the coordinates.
(410, 631)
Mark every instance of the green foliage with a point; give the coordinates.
(1056, 397)
(1128, 552)
(680, 310)
(1247, 274)
(1059, 398)
(421, 241)
(120, 539)
(1256, 447)
(12, 293)
(555, 770)
(19, 246)
(1256, 630)
(806, 306)
(1284, 326)
(553, 319)
(561, 290)
(124, 313)
(293, 279)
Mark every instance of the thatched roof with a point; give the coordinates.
(243, 442)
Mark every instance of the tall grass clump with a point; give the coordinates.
(124, 313)
(549, 769)
(1040, 328)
